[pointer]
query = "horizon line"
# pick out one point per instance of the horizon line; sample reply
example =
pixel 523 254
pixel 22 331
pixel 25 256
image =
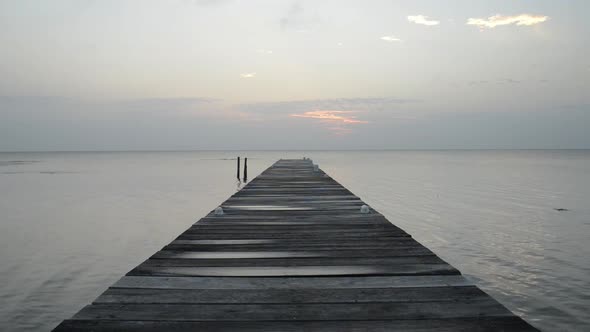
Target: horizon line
pixel 298 150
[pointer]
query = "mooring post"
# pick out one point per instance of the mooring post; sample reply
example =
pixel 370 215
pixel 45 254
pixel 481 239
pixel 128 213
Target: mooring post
pixel 245 169
pixel 238 172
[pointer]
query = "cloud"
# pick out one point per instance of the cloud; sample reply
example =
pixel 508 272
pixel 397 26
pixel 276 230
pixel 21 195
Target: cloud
pixel 263 51
pixel 390 39
pixel 247 75
pixel 497 20
pixel 424 20
pixel 337 122
pixel 375 104
pixel 61 123
pixel 497 81
pixel 332 116
pixel 166 103
pixel 341 111
pixel 298 19
pixel 340 130
pixel 293 16
pixel 509 81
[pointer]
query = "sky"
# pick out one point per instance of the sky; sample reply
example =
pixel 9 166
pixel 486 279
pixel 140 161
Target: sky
pixel 323 74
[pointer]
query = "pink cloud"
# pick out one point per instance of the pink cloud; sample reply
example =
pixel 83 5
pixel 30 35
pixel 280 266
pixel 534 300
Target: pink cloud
pixel 338 122
pixel 331 116
pixel 498 20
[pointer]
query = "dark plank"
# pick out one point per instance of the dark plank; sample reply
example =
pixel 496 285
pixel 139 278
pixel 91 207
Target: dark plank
pixel 478 307
pixel 280 271
pixel 290 282
pixel 386 249
pixel 292 262
pixel 332 295
pixel 291 227
pixel 300 235
pixel 506 324
pixel 188 251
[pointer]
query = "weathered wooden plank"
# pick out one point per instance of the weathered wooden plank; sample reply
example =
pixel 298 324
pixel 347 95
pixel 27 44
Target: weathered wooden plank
pixel 293 222
pixel 352 236
pixel 276 204
pixel 287 262
pixel 403 248
pixel 336 242
pixel 285 207
pixel 295 230
pixel 290 282
pixel 294 212
pixel 253 296
pixel 279 198
pixel 303 229
pixel 182 252
pixel 327 223
pixel 483 324
pixel 477 307
pixel 292 217
pixel 293 227
pixel 285 271
pixel 296 243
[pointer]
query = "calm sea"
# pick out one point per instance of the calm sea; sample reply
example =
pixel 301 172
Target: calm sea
pixel 71 224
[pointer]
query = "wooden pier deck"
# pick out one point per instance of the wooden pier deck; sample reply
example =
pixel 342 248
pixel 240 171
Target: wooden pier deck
pixel 293 252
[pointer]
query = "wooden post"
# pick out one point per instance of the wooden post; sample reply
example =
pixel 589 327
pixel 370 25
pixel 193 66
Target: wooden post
pixel 238 172
pixel 245 169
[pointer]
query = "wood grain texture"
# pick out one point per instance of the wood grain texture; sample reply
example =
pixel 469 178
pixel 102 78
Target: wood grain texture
pixel 483 324
pixel 293 252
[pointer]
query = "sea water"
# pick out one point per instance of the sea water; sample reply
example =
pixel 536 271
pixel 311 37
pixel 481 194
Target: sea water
pixel 71 224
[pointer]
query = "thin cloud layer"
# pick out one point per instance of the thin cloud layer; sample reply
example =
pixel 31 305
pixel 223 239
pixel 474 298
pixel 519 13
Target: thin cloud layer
pixel 390 39
pixel 247 75
pixel 340 104
pixel 497 20
pixel 424 20
pixel 337 122
pixel 331 116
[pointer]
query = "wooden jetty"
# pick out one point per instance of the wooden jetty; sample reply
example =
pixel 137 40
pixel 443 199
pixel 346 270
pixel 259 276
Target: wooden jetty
pixel 294 252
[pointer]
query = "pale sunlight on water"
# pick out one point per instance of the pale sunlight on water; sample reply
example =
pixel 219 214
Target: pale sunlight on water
pixel 73 223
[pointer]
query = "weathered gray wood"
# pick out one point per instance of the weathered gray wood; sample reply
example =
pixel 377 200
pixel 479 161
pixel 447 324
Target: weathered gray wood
pixel 482 324
pixel 294 252
pixel 290 227
pixel 286 262
pixel 188 241
pixel 183 252
pixel 221 296
pixel 291 282
pixel 401 248
pixel 485 306
pixel 367 234
pixel 292 217
pixel 302 223
pixel 298 270
pixel 298 243
pixel 295 232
